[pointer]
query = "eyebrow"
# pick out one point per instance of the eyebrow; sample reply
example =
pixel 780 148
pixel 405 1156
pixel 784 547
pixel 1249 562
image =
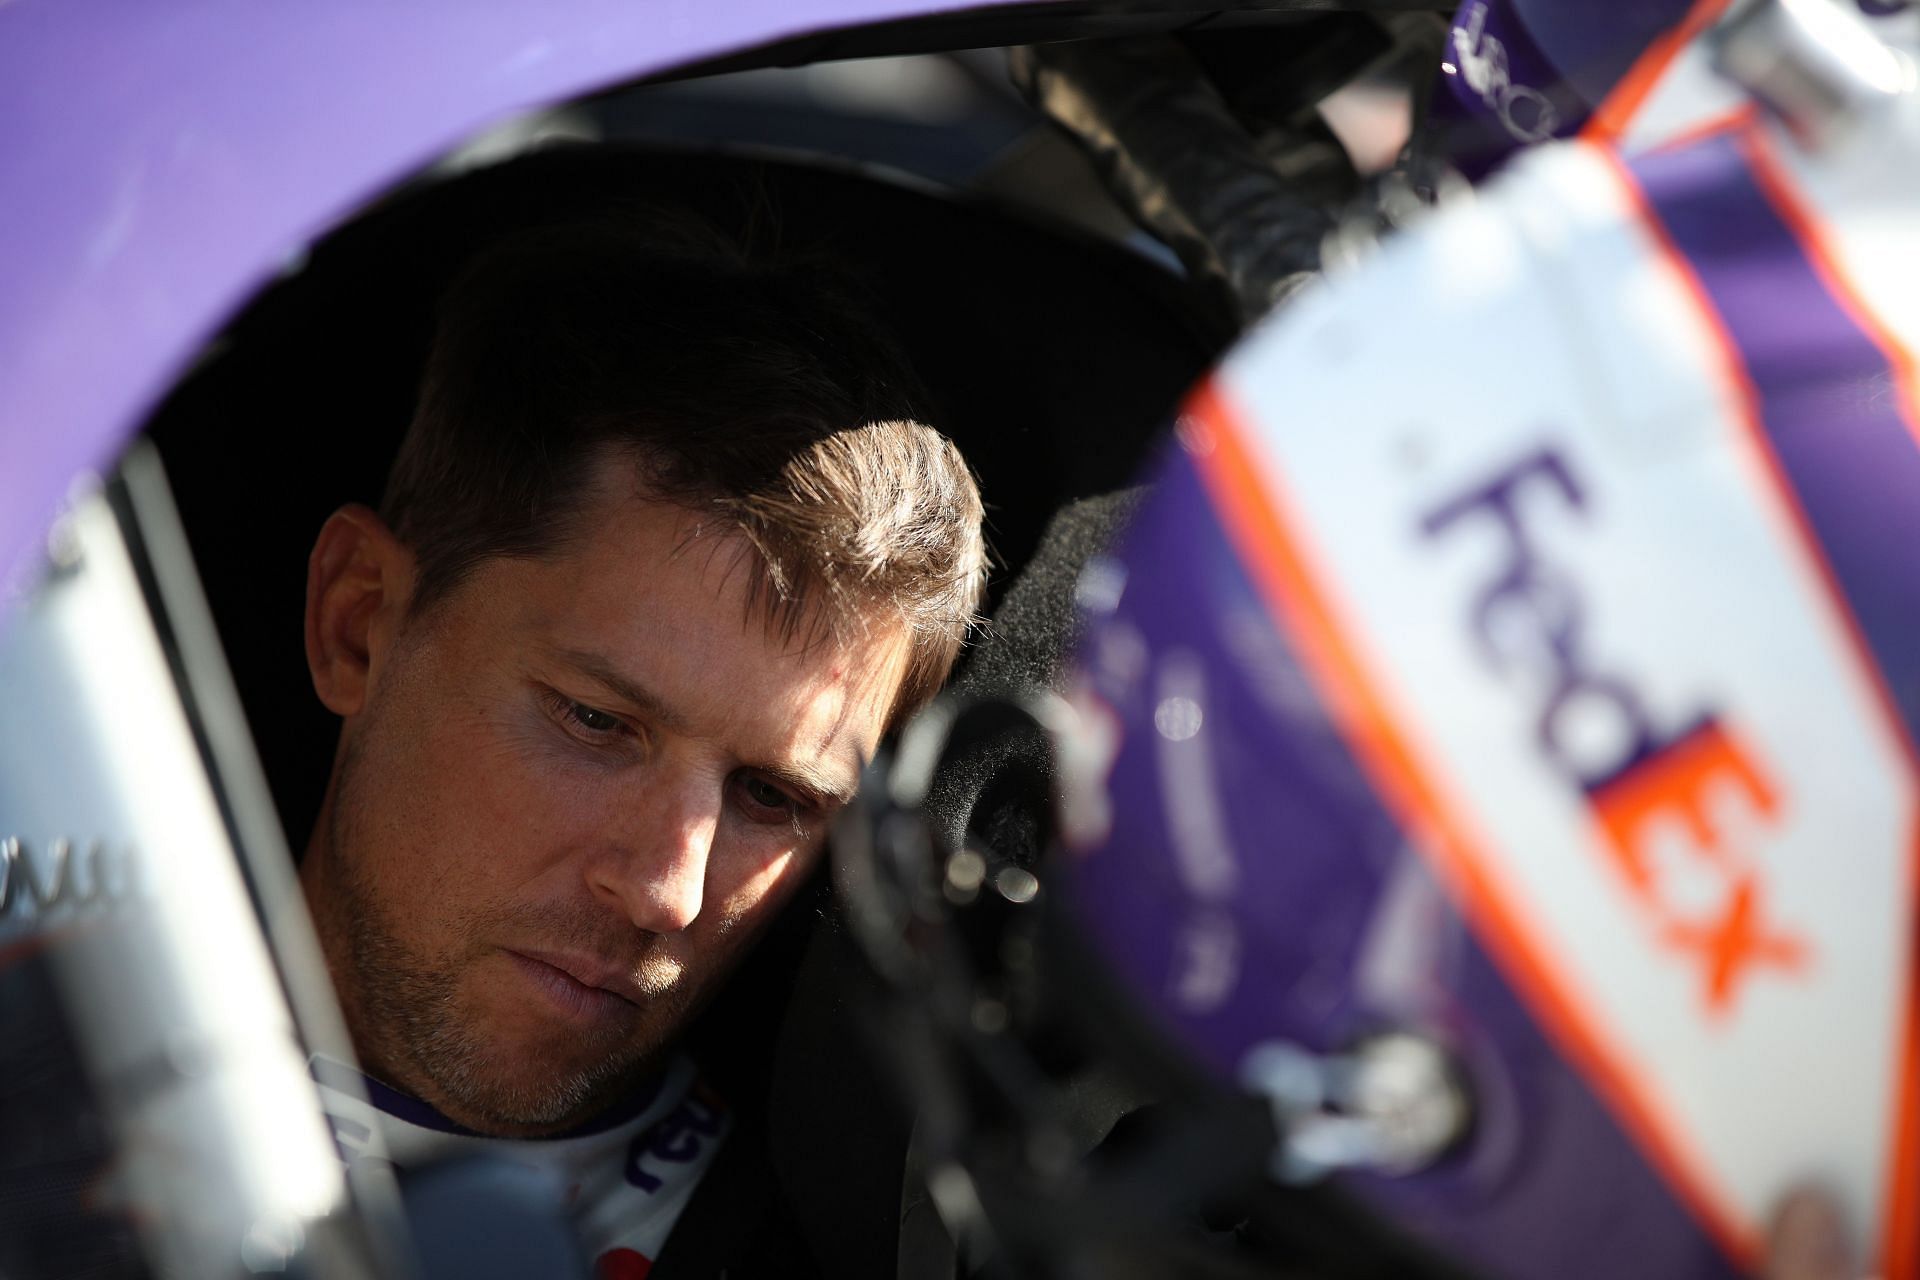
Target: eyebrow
pixel 821 785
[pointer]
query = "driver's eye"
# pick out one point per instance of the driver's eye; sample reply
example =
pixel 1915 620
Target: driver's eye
pixel 764 793
pixel 591 718
pixel 583 720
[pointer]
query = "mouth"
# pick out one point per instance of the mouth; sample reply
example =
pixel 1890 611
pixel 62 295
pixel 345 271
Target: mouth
pixel 578 986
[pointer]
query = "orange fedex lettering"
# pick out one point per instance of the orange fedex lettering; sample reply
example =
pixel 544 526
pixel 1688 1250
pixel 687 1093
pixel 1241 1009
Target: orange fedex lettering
pixel 1735 943
pixel 1672 783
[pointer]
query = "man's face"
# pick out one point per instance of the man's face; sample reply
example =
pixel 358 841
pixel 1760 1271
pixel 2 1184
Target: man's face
pixel 566 800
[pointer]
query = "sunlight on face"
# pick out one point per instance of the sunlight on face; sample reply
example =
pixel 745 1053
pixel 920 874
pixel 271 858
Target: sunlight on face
pixel 578 789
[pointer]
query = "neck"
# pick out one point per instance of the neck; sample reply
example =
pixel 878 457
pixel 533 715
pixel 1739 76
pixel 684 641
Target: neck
pixel 317 870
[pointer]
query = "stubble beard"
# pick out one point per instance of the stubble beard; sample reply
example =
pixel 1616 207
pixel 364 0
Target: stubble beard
pixel 406 1010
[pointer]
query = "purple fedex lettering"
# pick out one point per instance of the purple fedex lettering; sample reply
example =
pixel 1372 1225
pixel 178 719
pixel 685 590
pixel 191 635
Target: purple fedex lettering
pixel 1522 578
pixel 1647 782
pixel 677 1139
pixel 1550 602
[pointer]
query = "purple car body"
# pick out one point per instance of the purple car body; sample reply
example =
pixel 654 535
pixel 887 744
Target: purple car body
pixel 164 162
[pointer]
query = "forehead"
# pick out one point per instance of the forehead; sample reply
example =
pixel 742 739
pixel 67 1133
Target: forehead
pixel 676 600
pixel 627 540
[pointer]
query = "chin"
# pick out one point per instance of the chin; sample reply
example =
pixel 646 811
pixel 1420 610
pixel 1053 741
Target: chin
pixel 540 1091
pixel 519 1071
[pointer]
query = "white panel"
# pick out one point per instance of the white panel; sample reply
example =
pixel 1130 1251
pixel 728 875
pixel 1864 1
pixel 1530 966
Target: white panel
pixel 1483 338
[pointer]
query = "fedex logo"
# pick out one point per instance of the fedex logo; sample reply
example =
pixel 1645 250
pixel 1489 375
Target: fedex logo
pixel 678 1139
pixel 1640 770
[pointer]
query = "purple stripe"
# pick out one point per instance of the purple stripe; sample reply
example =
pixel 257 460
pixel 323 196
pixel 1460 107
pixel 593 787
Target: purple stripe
pixel 163 160
pixel 384 1097
pixel 1597 42
pixel 1549 1184
pixel 1829 401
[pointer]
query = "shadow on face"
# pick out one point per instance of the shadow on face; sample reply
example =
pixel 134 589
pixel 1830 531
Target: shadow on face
pixel 567 797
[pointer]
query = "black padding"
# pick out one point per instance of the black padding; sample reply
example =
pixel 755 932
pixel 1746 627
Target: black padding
pixel 1032 632
pixel 999 787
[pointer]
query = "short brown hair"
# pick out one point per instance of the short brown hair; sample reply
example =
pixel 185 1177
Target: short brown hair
pixel 762 392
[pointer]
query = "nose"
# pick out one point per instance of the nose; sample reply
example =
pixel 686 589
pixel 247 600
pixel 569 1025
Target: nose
pixel 654 868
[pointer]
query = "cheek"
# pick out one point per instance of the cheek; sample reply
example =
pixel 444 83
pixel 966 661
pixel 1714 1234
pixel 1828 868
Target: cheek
pixel 750 888
pixel 464 802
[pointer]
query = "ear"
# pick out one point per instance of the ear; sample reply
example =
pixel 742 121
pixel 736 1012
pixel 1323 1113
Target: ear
pixel 359 581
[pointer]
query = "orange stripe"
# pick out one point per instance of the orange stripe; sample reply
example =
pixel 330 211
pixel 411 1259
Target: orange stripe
pixel 1271 543
pixel 1901 1237
pixel 1901 1244
pixel 1623 102
pixel 1727 121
